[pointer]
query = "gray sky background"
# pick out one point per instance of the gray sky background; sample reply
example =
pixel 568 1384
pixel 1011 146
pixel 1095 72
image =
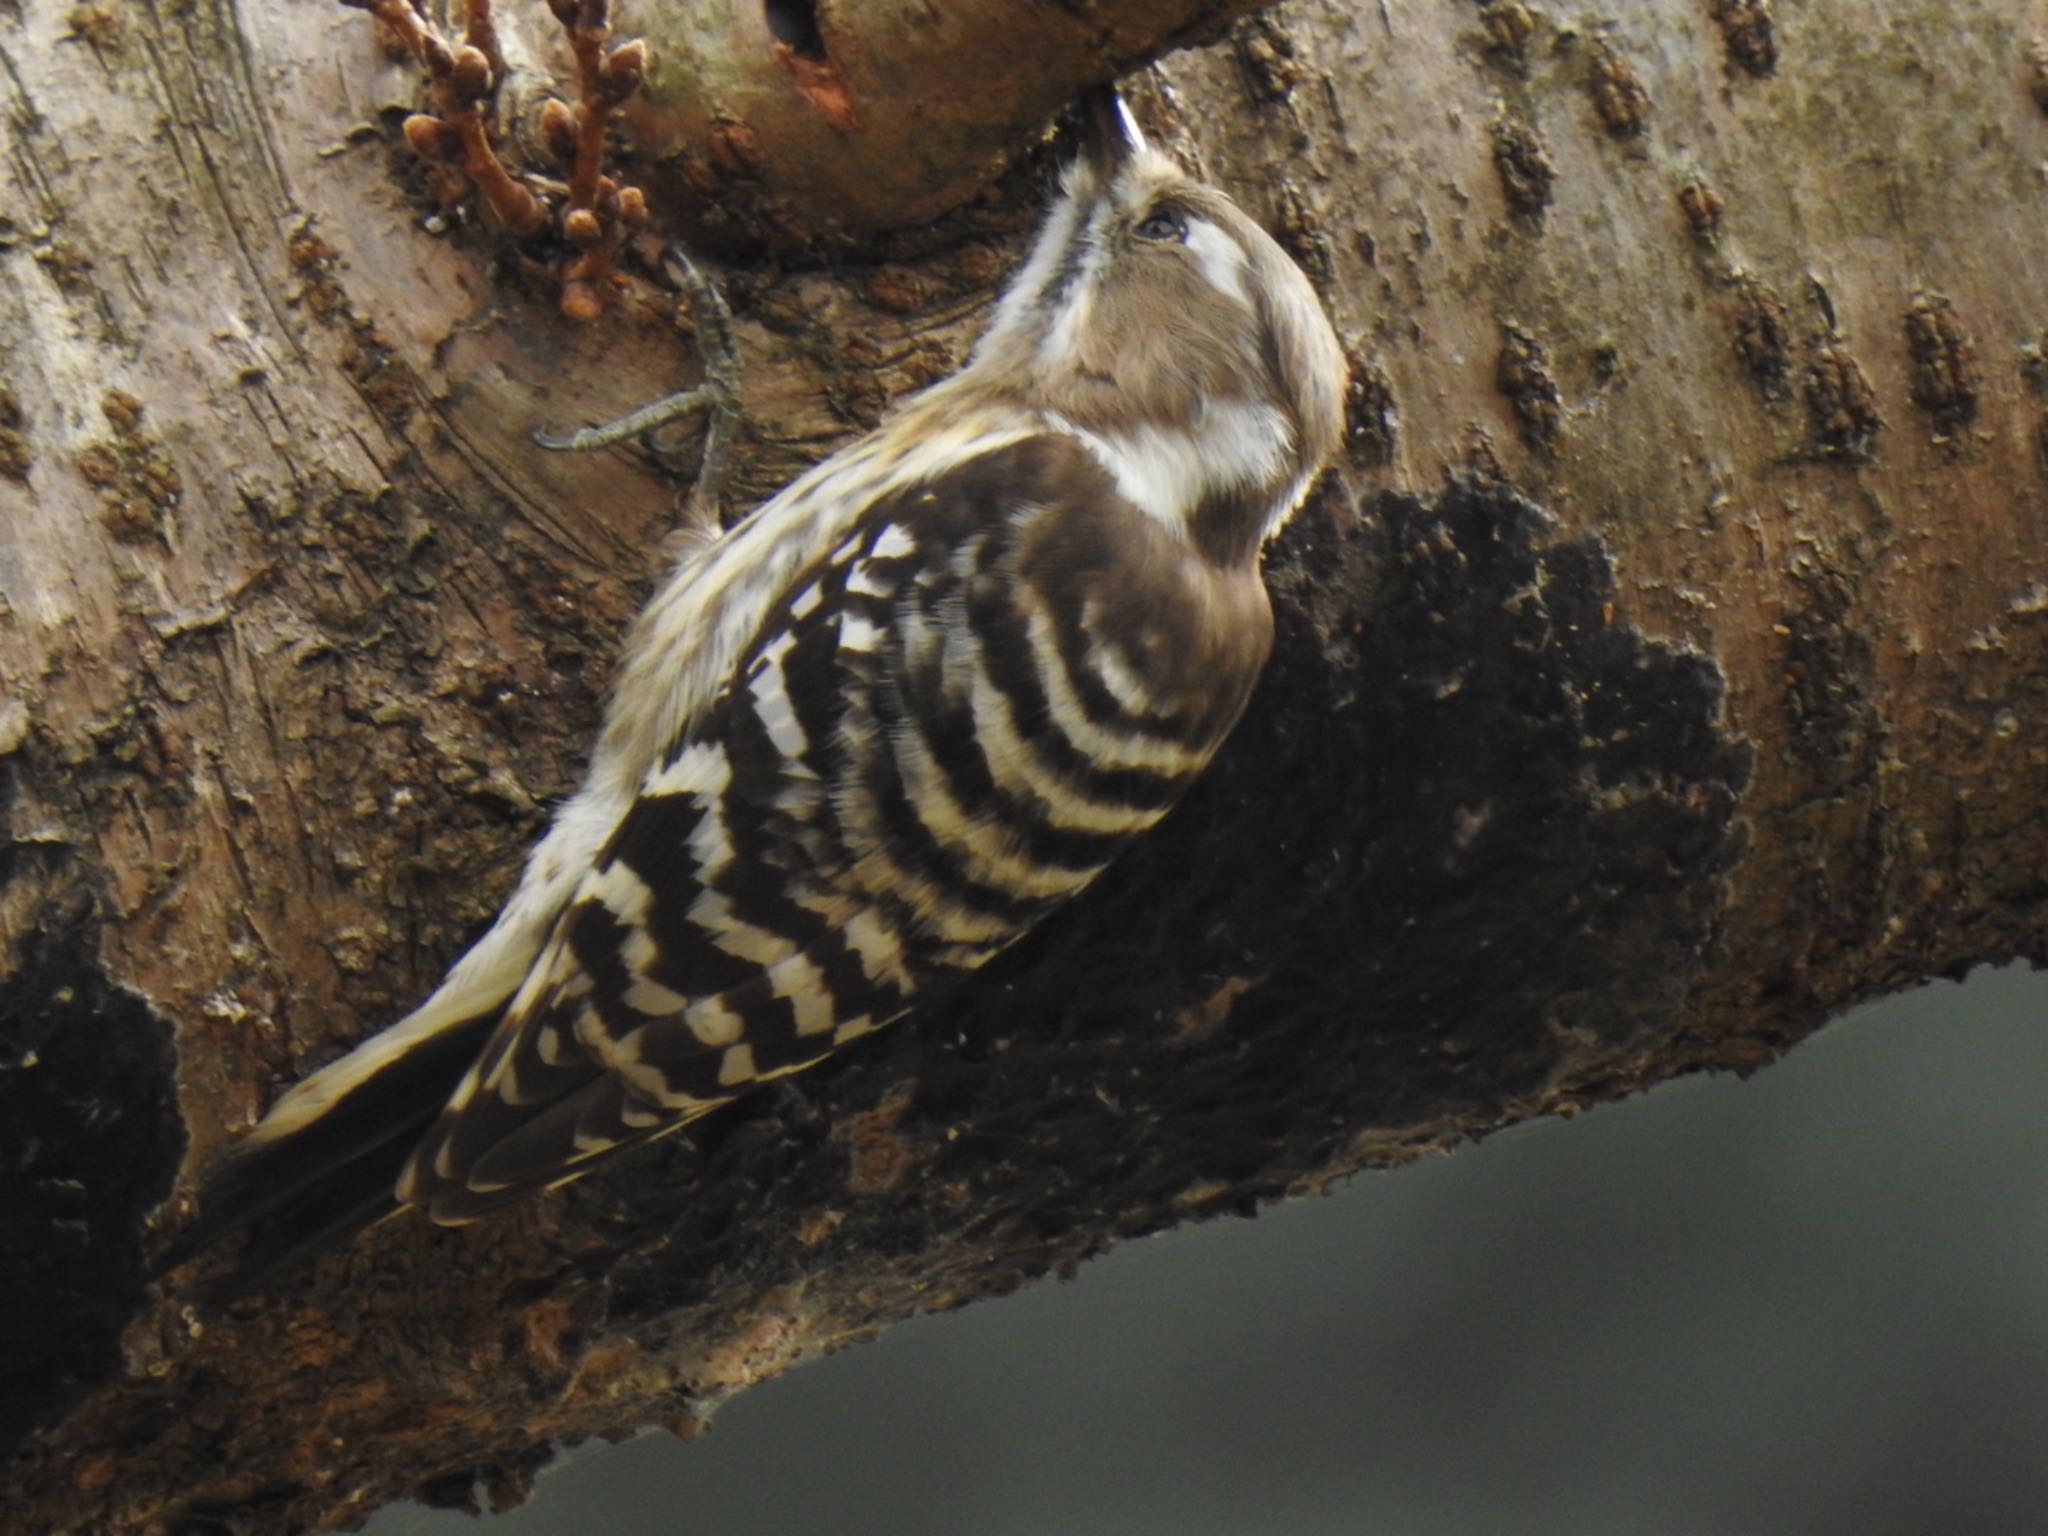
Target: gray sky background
pixel 1815 1303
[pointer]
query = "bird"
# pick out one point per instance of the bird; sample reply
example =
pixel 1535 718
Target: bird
pixel 864 740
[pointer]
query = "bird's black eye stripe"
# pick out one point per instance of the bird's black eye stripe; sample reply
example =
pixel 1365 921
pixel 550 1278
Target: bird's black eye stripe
pixel 1168 221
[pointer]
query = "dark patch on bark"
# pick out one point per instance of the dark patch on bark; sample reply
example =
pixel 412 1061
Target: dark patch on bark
pixel 794 24
pixel 1522 373
pixel 1841 867
pixel 1830 667
pixel 1748 35
pixel 1619 95
pixel 1763 339
pixel 90 1138
pixel 1526 170
pixel 17 455
pixel 1266 55
pixel 1300 232
pixel 1372 418
pixel 1841 403
pixel 1510 27
pixel 1946 379
pixel 1703 208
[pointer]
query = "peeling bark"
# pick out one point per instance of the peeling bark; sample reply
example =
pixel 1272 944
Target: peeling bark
pixel 1662 672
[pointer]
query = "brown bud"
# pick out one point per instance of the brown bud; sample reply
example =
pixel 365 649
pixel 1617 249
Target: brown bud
pixel 580 302
pixel 625 70
pixel 632 208
pixel 432 139
pixel 558 129
pixel 471 77
pixel 582 228
pixel 439 61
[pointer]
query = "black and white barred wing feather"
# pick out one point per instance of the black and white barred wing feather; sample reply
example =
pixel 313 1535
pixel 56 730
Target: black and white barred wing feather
pixel 945 727
pixel 711 942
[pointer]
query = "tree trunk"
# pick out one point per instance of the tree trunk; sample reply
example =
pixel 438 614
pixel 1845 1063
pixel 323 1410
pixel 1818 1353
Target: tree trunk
pixel 1663 671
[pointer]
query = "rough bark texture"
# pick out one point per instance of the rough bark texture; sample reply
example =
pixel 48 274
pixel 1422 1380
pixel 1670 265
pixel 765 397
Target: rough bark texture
pixel 1662 672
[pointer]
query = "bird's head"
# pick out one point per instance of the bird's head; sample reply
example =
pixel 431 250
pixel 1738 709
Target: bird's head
pixel 1159 321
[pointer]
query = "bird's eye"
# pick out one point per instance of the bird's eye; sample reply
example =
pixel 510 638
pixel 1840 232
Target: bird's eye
pixel 1166 222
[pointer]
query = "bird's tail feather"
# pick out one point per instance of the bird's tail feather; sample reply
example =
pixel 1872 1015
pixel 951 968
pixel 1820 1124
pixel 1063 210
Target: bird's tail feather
pixel 323 1175
pixel 325 1217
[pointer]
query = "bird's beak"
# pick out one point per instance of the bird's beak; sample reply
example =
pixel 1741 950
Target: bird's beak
pixel 1109 134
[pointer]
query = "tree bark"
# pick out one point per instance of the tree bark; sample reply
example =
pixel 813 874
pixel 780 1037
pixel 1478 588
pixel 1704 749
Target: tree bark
pixel 1662 671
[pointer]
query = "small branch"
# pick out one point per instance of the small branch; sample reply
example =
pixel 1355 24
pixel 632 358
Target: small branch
pixel 602 214
pixel 463 81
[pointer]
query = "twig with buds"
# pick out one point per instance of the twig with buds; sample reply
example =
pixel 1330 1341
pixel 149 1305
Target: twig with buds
pixel 601 214
pixel 457 138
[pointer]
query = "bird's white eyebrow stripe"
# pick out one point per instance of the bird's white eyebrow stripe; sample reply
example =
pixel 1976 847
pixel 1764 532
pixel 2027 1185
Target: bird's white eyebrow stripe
pixel 1222 259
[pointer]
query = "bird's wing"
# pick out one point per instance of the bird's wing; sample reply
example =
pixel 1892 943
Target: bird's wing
pixel 914 760
pixel 718 937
